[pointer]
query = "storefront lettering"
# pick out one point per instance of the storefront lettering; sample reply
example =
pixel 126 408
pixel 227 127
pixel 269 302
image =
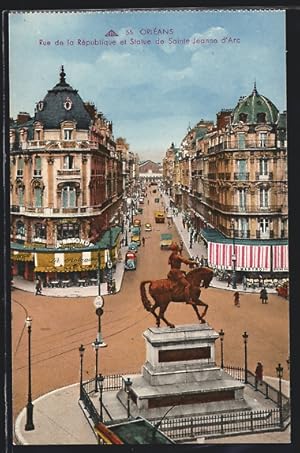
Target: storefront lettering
pixel 74 241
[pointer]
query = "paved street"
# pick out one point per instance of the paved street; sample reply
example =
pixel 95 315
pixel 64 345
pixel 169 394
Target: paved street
pixel 61 324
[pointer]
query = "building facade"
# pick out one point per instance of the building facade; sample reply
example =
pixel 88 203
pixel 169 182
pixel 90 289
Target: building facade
pixel 67 184
pixel 237 186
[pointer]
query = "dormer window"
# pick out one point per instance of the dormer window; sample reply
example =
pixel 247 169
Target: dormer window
pixel 67 134
pixel 261 117
pixel 68 104
pixel 40 106
pixel 243 117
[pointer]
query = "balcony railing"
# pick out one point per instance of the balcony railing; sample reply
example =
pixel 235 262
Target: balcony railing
pixel 261 177
pixel 68 172
pixel 241 176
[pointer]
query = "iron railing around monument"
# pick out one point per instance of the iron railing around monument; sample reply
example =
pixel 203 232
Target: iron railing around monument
pixel 266 389
pixel 186 428
pixel 214 425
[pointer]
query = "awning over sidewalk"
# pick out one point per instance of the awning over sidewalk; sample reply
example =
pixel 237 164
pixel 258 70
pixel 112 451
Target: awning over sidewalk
pixel 251 255
pixel 248 257
pixel 72 259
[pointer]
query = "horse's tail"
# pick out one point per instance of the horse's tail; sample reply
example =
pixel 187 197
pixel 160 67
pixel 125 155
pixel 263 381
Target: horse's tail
pixel 145 300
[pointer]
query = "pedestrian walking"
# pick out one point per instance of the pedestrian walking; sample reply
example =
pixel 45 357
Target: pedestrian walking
pixel 228 280
pixel 264 296
pixel 244 282
pixel 180 247
pixel 236 298
pixel 38 286
pixel 143 241
pixel 259 373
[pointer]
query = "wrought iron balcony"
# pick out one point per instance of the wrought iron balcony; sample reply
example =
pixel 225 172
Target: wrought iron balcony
pixel 241 176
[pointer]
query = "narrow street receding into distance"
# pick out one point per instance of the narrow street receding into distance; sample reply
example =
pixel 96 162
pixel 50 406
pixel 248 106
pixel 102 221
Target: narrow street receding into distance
pixel 60 325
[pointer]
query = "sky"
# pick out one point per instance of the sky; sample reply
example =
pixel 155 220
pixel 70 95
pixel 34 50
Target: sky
pixel 166 70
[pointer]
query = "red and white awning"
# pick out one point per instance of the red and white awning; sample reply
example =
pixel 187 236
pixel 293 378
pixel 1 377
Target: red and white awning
pixel 249 257
pixel 280 258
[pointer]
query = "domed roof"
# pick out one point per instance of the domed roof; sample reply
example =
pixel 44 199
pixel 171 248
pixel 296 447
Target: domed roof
pixel 62 103
pixel 255 109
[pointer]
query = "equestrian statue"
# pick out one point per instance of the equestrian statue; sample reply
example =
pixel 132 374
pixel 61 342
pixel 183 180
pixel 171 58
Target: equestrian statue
pixel 178 287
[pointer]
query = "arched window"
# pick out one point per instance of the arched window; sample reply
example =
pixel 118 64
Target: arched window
pixel 68 197
pixel 20 168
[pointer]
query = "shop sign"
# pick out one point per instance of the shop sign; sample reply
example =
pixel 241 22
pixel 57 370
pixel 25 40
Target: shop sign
pixel 77 242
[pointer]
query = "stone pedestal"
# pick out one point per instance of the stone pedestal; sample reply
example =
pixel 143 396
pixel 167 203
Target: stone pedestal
pixel 180 371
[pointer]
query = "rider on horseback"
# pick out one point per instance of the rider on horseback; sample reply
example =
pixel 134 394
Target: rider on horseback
pixel 176 274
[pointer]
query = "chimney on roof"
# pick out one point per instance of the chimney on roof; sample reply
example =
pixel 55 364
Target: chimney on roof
pixel 23 117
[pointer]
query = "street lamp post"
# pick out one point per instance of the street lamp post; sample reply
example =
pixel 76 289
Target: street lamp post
pixel 98 343
pixel 233 258
pixel 99 274
pixel 96 346
pixel 101 379
pixel 245 336
pixel 128 384
pixel 81 352
pixel 29 426
pixel 221 334
pixel 191 238
pixel 279 371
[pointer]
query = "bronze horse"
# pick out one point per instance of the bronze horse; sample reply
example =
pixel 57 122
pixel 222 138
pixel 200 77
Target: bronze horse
pixel 165 291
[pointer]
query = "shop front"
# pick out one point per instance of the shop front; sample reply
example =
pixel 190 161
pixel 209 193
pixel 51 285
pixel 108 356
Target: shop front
pixel 69 264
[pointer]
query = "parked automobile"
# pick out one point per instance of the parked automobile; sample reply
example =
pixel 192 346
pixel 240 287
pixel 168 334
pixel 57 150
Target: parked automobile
pixel 130 261
pixel 141 200
pixel 148 227
pixel 137 222
pixel 165 241
pixel 133 247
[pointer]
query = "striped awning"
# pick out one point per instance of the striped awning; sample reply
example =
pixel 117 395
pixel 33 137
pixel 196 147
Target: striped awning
pixel 280 258
pixel 248 257
pixel 263 258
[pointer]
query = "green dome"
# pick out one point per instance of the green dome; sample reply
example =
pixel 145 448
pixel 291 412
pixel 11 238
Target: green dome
pixel 255 109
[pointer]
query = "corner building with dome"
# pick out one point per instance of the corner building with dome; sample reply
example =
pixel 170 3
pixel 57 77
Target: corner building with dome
pixel 67 183
pixel 233 187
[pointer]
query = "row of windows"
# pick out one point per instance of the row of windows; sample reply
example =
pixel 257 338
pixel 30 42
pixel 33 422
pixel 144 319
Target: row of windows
pixel 63 231
pixel 67 134
pixel 68 163
pixel 68 197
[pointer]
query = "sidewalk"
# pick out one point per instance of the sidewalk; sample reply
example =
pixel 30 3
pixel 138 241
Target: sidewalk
pixel 58 419
pixel 199 249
